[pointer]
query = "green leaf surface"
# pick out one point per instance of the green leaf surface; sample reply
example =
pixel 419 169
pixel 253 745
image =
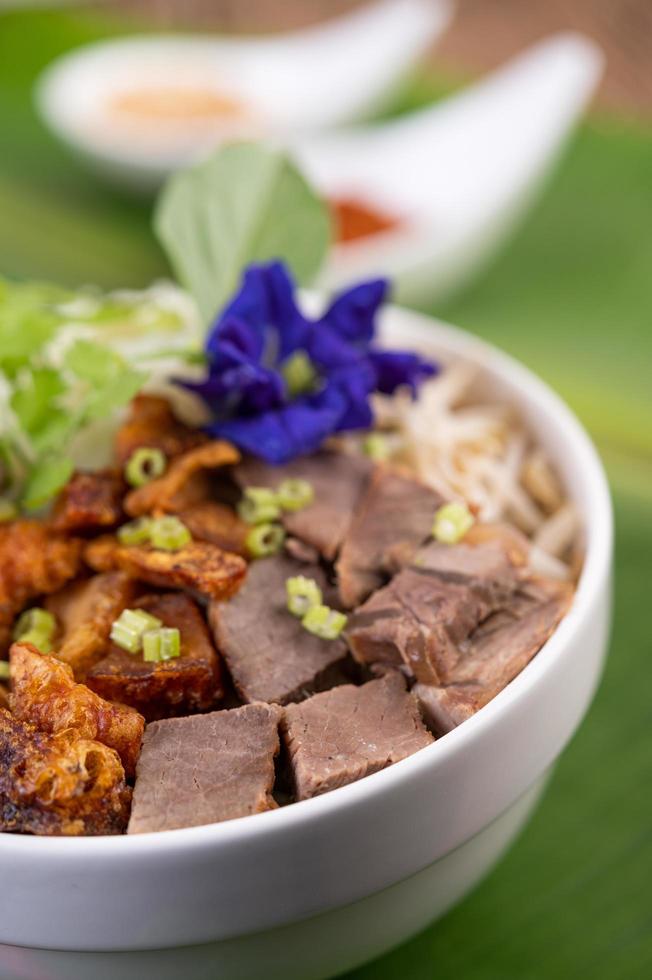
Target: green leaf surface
pixel 45 480
pixel 244 204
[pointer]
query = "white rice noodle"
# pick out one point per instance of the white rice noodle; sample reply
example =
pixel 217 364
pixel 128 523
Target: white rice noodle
pixel 479 453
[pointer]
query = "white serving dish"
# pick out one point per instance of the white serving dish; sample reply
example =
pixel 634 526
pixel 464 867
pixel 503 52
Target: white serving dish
pixel 326 75
pixel 458 175
pixel 315 888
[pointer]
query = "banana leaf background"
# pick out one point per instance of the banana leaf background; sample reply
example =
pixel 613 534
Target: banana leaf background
pixel 572 297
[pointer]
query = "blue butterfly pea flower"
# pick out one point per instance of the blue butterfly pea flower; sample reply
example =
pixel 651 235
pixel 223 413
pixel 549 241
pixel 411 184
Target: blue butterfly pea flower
pixel 262 332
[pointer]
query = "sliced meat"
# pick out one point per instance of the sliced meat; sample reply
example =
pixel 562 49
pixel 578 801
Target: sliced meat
pixel 89 502
pixel 218 524
pixel 198 566
pixel 59 784
pixel 185 481
pixel 444 708
pixel 393 518
pixel 486 568
pixel 84 612
pixel 269 654
pixel 420 619
pixel 152 423
pixel 206 769
pixel 495 654
pixel 44 693
pixel 338 481
pixel 33 561
pixel 341 735
pixel 188 683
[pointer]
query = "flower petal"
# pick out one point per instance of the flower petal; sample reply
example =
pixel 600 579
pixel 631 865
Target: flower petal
pixel 352 314
pixel 395 368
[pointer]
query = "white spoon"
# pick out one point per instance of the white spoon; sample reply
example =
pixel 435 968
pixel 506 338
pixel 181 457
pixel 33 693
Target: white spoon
pixel 271 87
pixel 458 174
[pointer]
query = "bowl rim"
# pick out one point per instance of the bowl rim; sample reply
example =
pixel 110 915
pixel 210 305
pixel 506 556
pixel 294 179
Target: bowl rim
pixel 598 529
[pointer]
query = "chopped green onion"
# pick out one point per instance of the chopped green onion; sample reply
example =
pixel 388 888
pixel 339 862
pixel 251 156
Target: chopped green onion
pixel 128 629
pixel 452 521
pixel 145 464
pixel 294 494
pixel 324 622
pixel 302 593
pixel 265 539
pixel 169 534
pixel 8 511
pixel 259 505
pixel 161 644
pixel 375 446
pixel 5 670
pixel 298 373
pixel 136 532
pixel 36 626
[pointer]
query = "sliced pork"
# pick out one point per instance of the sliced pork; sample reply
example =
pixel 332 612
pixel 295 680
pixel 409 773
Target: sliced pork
pixel 393 518
pixel 186 684
pixel 339 736
pixel 495 654
pixel 205 769
pixel 338 481
pixel 269 654
pixel 420 619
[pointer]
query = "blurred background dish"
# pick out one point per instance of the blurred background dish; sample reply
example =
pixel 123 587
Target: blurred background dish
pixel 138 108
pixel 428 197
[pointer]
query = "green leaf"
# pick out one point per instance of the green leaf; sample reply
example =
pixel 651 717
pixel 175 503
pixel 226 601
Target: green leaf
pixel 33 401
pixel 45 479
pixel 246 203
pixel 93 362
pixel 28 320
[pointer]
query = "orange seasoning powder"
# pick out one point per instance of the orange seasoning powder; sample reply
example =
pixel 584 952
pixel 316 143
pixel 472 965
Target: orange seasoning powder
pixel 355 219
pixel 172 104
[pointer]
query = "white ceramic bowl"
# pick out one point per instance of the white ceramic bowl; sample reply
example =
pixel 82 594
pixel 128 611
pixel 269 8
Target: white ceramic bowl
pixel 312 889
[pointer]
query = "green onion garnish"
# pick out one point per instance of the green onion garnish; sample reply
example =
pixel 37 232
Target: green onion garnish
pixel 294 494
pixel 265 539
pixel 324 622
pixel 298 373
pixel 258 505
pixel 145 464
pixel 302 593
pixel 128 629
pixel 161 644
pixel 8 511
pixel 375 446
pixel 36 626
pixel 5 670
pixel 452 521
pixel 136 532
pixel 169 534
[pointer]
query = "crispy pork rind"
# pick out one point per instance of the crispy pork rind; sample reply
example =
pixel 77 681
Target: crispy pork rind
pixel 198 566
pixel 184 483
pixel 33 561
pixel 152 423
pixel 84 611
pixel 89 502
pixel 186 684
pixel 44 693
pixel 59 784
pixel 217 523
